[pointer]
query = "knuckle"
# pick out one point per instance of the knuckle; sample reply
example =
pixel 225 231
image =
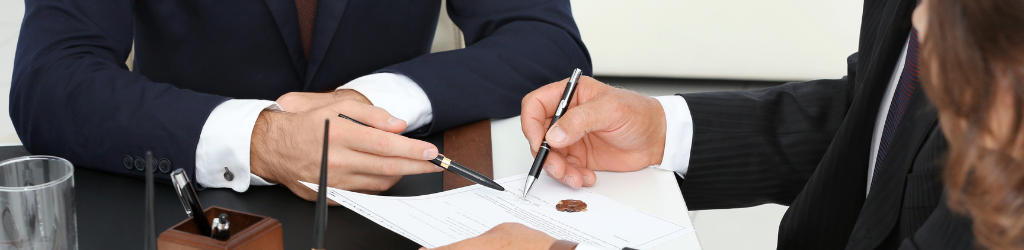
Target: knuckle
pixel 382 143
pixel 528 100
pixel 579 120
pixel 388 168
pixel 288 98
pixel 288 95
pixel 374 110
pixel 346 103
pixel 508 226
pixel 614 106
pixel 619 111
pixel 332 164
pixel 335 133
pixel 382 185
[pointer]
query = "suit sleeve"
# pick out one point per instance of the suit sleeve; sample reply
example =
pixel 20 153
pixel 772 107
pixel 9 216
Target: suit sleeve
pixel 761 146
pixel 944 229
pixel 72 95
pixel 513 47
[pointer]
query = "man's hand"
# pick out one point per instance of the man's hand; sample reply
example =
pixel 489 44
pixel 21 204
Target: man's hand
pixel 605 128
pixel 505 236
pixel 303 101
pixel 286 148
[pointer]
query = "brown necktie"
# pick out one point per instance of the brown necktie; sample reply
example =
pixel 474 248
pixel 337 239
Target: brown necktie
pixel 307 16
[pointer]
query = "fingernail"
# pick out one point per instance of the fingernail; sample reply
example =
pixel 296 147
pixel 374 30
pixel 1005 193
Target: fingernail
pixel 568 180
pixel 556 134
pixel 395 122
pixel 438 169
pixel 429 154
pixel 548 166
pixel 588 180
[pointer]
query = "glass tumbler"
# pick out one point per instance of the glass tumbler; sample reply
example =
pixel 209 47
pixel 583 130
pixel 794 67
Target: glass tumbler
pixel 37 203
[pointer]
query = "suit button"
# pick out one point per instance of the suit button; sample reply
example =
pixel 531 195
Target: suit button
pixel 128 162
pixel 228 175
pixel 140 164
pixel 164 165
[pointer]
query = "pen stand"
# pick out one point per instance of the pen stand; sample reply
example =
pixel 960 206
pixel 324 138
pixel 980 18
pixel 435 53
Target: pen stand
pixel 248 231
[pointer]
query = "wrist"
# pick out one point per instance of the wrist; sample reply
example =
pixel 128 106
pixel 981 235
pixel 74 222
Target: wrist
pixel 259 149
pixel 659 134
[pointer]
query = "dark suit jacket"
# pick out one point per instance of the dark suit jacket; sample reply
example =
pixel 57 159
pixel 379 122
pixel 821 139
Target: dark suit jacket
pixel 72 95
pixel 807 145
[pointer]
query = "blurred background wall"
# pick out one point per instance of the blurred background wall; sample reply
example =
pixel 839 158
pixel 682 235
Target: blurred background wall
pixel 720 39
pixel 662 47
pixel 11 12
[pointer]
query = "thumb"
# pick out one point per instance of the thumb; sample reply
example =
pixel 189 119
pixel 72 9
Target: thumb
pixel 580 121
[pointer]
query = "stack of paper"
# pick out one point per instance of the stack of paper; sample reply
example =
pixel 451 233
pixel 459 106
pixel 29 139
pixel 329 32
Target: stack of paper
pixel 447 217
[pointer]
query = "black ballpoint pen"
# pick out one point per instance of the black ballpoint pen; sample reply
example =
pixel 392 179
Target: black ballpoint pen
pixel 320 221
pixel 542 153
pixel 447 163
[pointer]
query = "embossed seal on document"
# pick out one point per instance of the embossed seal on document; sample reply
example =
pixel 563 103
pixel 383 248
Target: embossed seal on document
pixel 571 206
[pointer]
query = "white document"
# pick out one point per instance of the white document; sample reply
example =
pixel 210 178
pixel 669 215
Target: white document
pixel 447 217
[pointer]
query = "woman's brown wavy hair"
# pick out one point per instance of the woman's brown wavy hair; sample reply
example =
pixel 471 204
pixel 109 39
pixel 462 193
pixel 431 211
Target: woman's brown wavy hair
pixel 974 74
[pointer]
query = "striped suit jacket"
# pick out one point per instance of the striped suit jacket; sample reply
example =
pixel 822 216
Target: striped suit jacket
pixel 807 145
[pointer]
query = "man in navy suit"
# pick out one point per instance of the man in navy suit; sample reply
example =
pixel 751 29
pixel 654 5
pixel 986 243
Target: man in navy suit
pixel 206 73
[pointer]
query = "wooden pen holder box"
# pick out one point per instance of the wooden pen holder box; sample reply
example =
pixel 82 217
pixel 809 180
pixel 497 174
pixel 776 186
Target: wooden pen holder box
pixel 248 231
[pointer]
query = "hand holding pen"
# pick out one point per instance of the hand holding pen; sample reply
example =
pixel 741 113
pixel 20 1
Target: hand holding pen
pixel 368 159
pixel 603 129
pixel 542 152
pixel 450 165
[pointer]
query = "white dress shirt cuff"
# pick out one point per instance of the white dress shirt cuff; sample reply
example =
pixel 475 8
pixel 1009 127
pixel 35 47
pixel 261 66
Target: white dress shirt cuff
pixel 397 94
pixel 224 145
pixel 678 134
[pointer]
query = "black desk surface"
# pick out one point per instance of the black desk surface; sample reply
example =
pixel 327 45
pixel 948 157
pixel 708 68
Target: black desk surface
pixel 110 210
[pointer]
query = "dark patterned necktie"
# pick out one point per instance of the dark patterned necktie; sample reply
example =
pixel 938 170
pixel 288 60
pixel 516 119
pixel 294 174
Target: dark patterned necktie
pixel 307 16
pixel 900 100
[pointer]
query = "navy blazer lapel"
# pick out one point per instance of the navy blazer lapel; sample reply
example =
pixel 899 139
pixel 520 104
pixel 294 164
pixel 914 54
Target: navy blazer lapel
pixel 328 15
pixel 882 207
pixel 287 18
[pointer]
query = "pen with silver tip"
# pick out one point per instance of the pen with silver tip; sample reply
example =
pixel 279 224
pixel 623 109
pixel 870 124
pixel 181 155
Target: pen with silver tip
pixel 542 153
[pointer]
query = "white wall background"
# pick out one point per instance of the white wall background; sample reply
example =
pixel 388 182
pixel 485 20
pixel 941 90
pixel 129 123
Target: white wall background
pixel 724 39
pixel 11 12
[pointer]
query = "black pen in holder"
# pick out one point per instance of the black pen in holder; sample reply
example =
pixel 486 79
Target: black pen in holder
pixel 190 200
